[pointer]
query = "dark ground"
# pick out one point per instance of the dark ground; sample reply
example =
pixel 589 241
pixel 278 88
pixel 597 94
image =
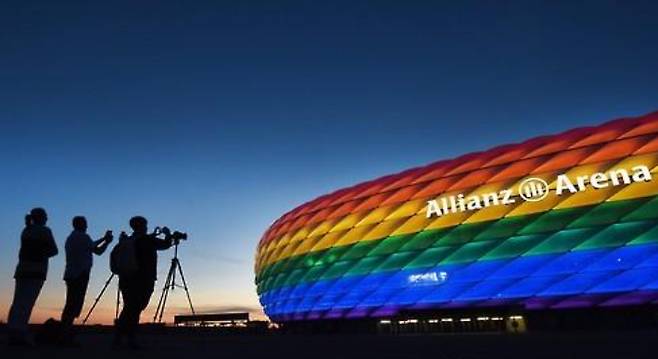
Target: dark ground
pixel 565 345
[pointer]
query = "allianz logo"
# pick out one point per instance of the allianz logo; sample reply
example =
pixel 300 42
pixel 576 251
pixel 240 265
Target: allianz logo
pixel 535 189
pixel 428 277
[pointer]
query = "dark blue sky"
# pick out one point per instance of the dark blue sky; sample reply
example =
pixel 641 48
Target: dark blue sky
pixel 217 117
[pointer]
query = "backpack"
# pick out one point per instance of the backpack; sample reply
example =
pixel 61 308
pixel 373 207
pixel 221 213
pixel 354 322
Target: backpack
pixel 123 260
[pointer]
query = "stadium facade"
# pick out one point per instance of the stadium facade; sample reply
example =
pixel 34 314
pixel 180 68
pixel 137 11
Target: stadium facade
pixel 562 226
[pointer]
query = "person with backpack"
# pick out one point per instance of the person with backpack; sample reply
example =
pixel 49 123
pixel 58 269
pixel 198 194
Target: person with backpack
pixel 37 246
pixel 135 260
pixel 80 249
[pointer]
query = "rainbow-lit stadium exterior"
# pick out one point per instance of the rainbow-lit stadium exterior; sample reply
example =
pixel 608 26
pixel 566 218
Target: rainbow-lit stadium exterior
pixel 373 251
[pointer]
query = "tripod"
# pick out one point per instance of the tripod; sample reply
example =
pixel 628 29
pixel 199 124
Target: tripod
pixel 170 284
pixel 100 295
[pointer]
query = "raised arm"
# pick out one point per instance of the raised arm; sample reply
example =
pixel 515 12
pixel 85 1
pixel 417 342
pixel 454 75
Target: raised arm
pixel 100 245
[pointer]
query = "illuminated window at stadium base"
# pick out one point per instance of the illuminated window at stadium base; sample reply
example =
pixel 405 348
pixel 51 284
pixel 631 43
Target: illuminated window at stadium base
pixel 562 221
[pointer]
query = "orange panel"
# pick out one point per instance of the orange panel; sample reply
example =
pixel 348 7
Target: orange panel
pixel 402 195
pixel 651 146
pixel 616 149
pixel 566 159
pixel 371 202
pixel 436 187
pixel 518 169
pixel 475 178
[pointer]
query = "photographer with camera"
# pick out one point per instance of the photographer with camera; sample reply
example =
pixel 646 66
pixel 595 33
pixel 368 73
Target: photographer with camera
pixel 137 283
pixel 80 249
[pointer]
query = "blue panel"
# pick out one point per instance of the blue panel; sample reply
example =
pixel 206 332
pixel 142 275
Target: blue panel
pixel 623 258
pixel 578 283
pixel 571 262
pixel 320 287
pixel 489 289
pixel 378 297
pixel 343 285
pixel 522 266
pixel 326 302
pixel 649 262
pixel 361 289
pixel 300 290
pixel 530 286
pixel 445 293
pixel 410 295
pixel 626 281
pixel 307 303
pixel 475 271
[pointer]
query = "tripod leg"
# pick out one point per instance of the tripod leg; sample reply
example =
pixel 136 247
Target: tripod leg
pixel 116 309
pixel 163 296
pixel 107 283
pixel 187 291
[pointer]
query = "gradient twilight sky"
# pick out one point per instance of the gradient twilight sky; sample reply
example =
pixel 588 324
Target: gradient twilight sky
pixel 216 117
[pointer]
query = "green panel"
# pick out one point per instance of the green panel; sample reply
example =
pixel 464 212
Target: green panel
pixel 505 227
pixel 470 252
pixel 396 261
pixel 312 274
pixel 649 210
pixel 650 236
pixel 359 250
pixel 606 213
pixel 514 247
pixel 563 241
pixel 389 245
pixel 294 277
pixel 430 257
pixel 615 235
pixel 554 220
pixel 423 239
pixel 309 259
pixel 366 265
pixel 337 269
pixel 462 234
pixel 333 255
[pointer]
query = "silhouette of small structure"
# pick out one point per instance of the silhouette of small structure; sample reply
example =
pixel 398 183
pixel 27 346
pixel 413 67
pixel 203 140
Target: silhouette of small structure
pixel 213 320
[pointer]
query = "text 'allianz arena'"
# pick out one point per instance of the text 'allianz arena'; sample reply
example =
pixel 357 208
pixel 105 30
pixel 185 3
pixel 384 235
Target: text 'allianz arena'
pixel 555 222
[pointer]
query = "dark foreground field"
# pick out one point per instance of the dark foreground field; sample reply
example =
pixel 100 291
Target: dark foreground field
pixel 536 345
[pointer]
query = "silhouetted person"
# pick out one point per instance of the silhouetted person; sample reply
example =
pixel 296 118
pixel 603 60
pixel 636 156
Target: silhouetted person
pixel 137 288
pixel 37 246
pixel 79 259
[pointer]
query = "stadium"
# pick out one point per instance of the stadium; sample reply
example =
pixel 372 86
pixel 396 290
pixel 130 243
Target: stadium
pixel 575 243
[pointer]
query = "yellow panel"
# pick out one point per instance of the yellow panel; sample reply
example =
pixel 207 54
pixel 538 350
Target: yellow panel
pixel 490 213
pixel 306 245
pixel 282 241
pixel 383 229
pixel 354 235
pixel 448 220
pixel 489 188
pixel 328 240
pixel 323 227
pixel 408 209
pixel 589 196
pixel 301 234
pixel 414 224
pixel 527 207
pixel 637 190
pixel 650 160
pixel 349 221
pixel 377 215
pixel 288 251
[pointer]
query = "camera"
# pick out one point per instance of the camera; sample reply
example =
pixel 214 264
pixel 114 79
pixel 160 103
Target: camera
pixel 176 236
